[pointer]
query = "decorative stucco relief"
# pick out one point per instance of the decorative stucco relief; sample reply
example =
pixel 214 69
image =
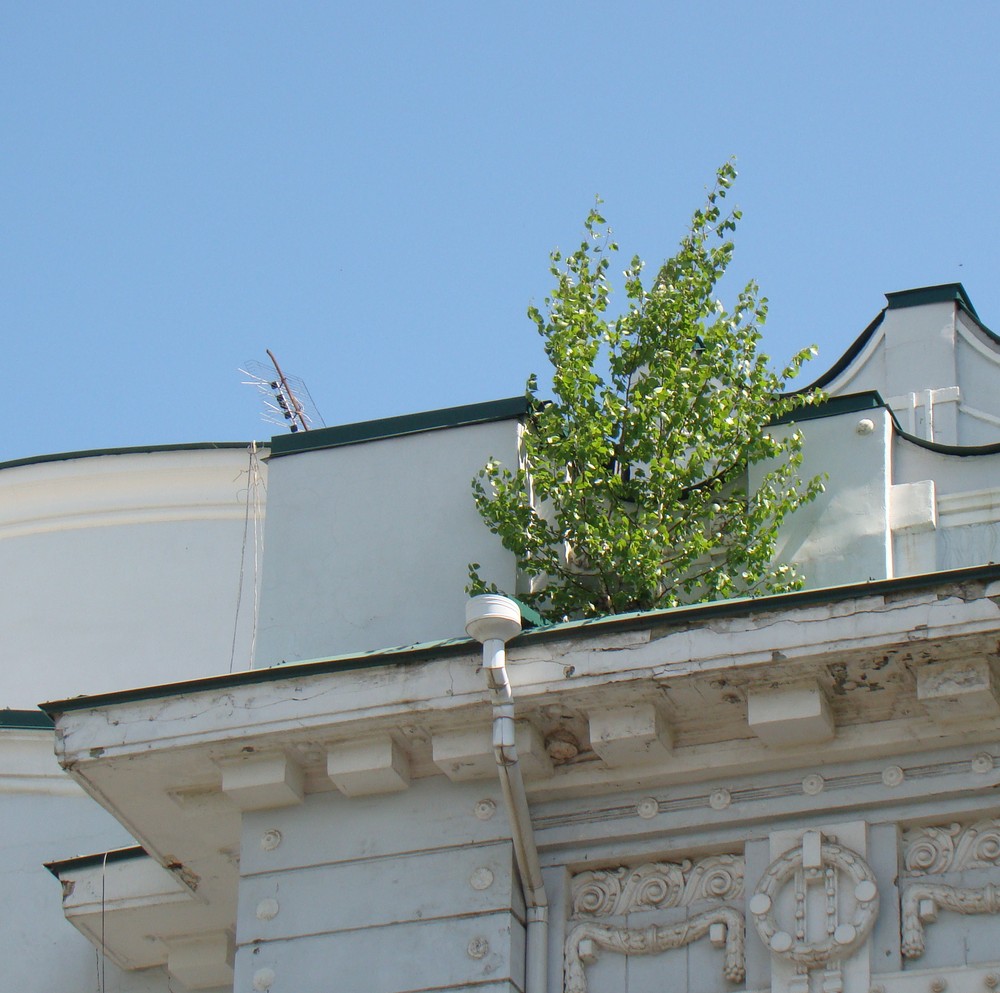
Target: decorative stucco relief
pixel 922 901
pixel 820 863
pixel 951 847
pixel 656 886
pixel 723 925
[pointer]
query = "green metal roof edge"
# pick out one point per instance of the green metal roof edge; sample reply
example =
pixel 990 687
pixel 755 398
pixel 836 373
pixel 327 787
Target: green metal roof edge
pixel 135 450
pixel 394 427
pixel 919 296
pixel 100 858
pixel 853 350
pixel 462 646
pixel 33 720
pixel 848 403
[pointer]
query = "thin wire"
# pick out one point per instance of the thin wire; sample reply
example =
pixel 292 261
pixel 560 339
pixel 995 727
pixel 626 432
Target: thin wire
pixel 239 585
pixel 253 507
pixel 102 966
pixel 257 484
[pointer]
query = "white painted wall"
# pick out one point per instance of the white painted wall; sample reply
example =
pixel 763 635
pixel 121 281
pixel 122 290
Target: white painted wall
pixel 843 535
pixel 978 370
pixel 410 891
pixel 368 545
pixel 45 816
pixel 122 570
pixel 964 528
pixel 937 369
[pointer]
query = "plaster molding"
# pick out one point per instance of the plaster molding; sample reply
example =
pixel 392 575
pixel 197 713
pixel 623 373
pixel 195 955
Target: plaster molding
pixel 983 978
pixel 723 925
pixel 202 961
pixel 973 340
pixel 153 514
pixel 970 507
pixel 656 886
pixel 117 490
pixel 28 765
pixel 922 901
pixel 858 363
pixel 790 714
pixel 919 398
pixel 926 774
pixel 959 690
pixel 913 507
pixel 980 415
pixel 821 861
pixel 951 847
pixel 339 704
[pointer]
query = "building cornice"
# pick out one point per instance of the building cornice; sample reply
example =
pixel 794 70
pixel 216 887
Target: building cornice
pixel 455 647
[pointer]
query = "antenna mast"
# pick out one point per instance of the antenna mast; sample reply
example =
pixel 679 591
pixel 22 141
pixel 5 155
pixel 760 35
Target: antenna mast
pixel 286 399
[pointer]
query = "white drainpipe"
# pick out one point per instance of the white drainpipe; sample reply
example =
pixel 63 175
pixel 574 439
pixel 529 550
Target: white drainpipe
pixel 494 620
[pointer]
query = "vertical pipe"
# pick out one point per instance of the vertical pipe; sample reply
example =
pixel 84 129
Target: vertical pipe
pixel 515 797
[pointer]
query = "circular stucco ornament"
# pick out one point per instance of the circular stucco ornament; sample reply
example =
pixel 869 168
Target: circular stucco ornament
pixel 893 775
pixel 781 942
pixel 485 809
pixel 481 878
pixel 865 426
pixel 270 840
pixel 263 979
pixel 848 929
pixel 267 909
pixel 813 784
pixel 982 763
pixel 647 807
pixel 719 799
pixel 478 948
pixel 865 891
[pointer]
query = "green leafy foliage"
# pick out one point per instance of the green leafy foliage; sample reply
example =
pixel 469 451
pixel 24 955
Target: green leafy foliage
pixel 633 489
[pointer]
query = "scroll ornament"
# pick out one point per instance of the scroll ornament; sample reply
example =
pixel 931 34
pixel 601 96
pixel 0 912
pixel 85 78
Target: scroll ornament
pixel 656 886
pixel 951 847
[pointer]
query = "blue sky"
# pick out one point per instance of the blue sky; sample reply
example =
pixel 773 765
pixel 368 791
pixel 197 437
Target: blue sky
pixel 372 190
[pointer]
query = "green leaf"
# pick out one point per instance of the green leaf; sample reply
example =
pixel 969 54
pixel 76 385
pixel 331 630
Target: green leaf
pixel 631 493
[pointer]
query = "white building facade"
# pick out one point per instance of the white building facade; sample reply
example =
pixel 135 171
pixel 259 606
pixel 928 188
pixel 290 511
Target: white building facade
pixel 790 793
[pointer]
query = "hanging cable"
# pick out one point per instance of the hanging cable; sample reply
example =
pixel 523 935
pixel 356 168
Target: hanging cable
pixel 253 510
pixel 102 966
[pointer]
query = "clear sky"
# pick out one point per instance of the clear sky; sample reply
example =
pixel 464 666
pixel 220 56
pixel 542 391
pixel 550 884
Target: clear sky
pixel 372 189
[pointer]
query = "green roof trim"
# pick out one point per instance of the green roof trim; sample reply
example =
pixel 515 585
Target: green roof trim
pixel 917 297
pixel 195 446
pixel 99 859
pixel 854 349
pixel 413 654
pixel 849 403
pixel 922 295
pixel 395 427
pixel 33 720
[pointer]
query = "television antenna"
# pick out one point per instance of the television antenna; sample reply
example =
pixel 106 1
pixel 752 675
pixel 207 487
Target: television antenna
pixel 287 401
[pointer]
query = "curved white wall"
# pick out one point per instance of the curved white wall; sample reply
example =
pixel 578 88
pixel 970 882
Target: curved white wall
pixel 123 570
